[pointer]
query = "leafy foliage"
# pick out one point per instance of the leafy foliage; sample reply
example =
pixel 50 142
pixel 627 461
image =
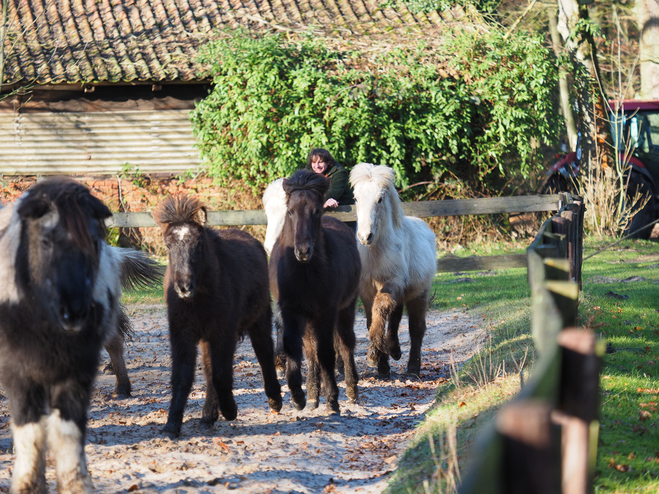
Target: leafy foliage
pixel 460 110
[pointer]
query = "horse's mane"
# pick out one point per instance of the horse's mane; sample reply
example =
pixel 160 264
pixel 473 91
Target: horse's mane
pixel 303 180
pixel 75 205
pixel 179 208
pixel 384 178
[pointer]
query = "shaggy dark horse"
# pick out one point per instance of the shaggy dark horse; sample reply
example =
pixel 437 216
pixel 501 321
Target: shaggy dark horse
pixel 59 304
pixel 314 277
pixel 216 288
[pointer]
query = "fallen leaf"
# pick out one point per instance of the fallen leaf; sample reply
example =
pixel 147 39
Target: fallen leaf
pixel 133 488
pixel 462 404
pixel 644 415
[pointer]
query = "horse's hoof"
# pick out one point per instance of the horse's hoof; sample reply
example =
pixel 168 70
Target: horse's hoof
pixel 352 394
pixel 372 363
pixel 299 400
pixel 107 369
pixel 229 412
pixel 208 419
pixel 206 423
pixel 395 352
pixel 171 431
pixel 281 373
pixel 414 372
pixel 333 408
pixel 121 394
pixel 275 404
pixel 313 404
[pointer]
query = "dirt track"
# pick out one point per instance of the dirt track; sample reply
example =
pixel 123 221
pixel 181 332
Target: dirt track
pixel 259 452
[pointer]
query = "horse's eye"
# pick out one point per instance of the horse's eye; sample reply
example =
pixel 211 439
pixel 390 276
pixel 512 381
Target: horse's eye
pixel 380 200
pixel 46 243
pixel 290 213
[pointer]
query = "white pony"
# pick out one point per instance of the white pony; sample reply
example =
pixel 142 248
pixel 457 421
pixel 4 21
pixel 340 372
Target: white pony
pixel 274 203
pixel 398 265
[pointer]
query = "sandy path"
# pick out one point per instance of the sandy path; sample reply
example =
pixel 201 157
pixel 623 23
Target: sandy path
pixel 259 452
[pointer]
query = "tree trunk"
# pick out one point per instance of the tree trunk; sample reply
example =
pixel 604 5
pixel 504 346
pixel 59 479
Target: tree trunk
pixel 570 125
pixel 596 142
pixel 647 15
pixel 3 34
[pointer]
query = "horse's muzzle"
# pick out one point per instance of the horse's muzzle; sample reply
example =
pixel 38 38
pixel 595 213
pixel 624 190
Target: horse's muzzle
pixel 183 291
pixel 365 239
pixel 303 255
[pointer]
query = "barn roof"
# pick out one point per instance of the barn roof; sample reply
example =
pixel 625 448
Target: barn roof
pixel 129 41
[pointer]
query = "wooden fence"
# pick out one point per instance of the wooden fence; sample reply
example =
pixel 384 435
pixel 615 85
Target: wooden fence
pixel 545 440
pixel 421 209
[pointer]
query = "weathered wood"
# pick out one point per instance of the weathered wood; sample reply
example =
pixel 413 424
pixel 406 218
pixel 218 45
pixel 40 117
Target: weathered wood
pixel 579 406
pixel 488 205
pixel 580 374
pixel 485 467
pixel 421 209
pixel 531 452
pixel 481 263
pixel 565 295
pixel 574 453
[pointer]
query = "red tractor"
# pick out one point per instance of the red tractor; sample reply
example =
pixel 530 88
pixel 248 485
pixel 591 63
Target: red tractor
pixel 635 132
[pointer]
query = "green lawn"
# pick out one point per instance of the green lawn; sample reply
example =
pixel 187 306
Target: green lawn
pixel 621 308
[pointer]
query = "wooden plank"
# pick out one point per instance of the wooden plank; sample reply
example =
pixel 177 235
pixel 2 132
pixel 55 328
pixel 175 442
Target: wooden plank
pixel 421 209
pixel 215 218
pixel 489 205
pixel 483 263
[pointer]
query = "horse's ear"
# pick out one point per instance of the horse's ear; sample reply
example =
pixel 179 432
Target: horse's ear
pixel 287 186
pixel 200 216
pixel 33 208
pixel 97 208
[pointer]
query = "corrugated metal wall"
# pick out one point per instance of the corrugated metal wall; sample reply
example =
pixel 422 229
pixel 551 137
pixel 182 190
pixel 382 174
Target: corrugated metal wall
pixel 96 143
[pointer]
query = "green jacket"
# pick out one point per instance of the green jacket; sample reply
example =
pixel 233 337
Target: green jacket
pixel 339 186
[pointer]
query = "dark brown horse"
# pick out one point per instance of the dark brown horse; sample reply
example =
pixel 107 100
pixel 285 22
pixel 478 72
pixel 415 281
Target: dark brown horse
pixel 314 277
pixel 216 289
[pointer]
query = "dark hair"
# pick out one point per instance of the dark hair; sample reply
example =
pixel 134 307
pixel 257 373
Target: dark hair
pixel 322 154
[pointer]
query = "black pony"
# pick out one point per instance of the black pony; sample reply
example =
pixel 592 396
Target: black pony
pixel 314 277
pixel 59 304
pixel 216 288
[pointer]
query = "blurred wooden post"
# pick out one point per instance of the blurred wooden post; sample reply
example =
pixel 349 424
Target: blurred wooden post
pixel 578 407
pixel 531 448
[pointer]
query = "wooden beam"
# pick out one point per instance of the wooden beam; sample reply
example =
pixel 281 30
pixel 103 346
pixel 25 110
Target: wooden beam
pixel 455 264
pixel 421 209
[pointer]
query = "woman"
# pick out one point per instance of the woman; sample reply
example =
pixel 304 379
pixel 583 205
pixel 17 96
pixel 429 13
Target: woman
pixel 339 193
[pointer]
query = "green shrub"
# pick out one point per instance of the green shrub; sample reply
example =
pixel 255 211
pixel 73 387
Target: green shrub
pixel 462 108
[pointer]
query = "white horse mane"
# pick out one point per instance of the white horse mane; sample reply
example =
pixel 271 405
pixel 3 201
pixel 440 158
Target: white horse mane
pixel 383 178
pixel 274 203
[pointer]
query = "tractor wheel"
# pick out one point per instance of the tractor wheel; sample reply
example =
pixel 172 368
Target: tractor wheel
pixel 647 214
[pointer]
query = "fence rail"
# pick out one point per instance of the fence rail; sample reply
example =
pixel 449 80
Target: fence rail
pixel 545 440
pixel 420 209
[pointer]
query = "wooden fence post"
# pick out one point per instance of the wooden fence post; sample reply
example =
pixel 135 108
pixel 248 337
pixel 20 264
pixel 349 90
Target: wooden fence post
pixel 578 407
pixel 531 455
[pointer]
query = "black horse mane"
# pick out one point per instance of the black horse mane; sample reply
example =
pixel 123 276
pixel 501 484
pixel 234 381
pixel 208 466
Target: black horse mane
pixel 76 206
pixel 306 180
pixel 180 208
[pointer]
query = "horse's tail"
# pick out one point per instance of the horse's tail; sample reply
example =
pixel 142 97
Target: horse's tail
pixel 138 270
pixel 124 326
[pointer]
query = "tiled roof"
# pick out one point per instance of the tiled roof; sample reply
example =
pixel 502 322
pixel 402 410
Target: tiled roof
pixel 96 41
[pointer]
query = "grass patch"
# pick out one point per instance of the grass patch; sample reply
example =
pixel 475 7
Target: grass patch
pixel 621 308
pixel 149 296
